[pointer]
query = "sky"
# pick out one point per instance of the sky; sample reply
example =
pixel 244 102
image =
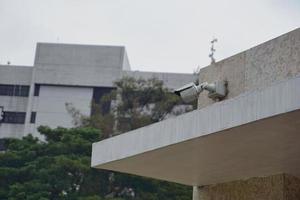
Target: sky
pixel 159 35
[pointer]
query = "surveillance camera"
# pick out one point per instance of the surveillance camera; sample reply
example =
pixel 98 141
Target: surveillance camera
pixel 190 92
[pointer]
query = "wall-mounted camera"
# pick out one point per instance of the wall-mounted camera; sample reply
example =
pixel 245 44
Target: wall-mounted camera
pixel 189 92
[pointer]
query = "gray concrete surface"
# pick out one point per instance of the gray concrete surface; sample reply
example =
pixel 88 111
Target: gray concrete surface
pixel 253 134
pixel 11 131
pixel 14 75
pixel 11 74
pixel 170 80
pixel 50 106
pixel 83 65
pixel 260 66
pixel 78 54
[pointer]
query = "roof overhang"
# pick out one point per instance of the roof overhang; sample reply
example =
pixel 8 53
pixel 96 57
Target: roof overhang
pixel 254 134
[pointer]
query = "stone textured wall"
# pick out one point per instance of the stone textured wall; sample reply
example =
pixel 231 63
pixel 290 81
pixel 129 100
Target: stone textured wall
pixel 291 188
pixel 260 66
pixel 277 187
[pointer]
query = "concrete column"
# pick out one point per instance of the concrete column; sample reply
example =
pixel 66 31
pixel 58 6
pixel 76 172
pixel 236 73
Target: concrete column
pixel 29 104
pixel 276 187
pixel 197 193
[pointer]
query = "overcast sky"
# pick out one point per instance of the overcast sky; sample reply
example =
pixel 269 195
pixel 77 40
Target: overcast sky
pixel 160 35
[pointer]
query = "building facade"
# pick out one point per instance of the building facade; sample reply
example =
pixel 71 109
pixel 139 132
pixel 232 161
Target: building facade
pixel 31 96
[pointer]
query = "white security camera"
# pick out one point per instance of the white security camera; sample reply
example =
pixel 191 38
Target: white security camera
pixel 190 92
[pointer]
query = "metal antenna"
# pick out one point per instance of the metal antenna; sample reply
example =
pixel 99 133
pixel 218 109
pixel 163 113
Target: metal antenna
pixel 212 50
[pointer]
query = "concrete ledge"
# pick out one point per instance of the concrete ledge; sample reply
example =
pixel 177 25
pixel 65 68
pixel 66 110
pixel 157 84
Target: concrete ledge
pixel 185 150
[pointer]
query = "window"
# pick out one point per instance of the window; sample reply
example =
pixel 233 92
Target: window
pixel 14 90
pixel 98 93
pixel 36 90
pixel 32 117
pixel 14 117
pixel 22 90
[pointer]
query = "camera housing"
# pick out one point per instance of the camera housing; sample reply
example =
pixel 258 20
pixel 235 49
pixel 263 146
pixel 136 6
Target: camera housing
pixel 189 92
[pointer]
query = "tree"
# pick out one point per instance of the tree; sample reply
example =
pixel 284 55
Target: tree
pixel 135 103
pixel 58 168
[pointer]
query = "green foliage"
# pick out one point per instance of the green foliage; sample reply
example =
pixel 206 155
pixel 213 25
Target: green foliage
pixel 142 102
pixel 138 103
pixel 56 169
pixel 150 189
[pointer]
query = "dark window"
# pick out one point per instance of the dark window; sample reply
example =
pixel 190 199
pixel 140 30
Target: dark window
pixel 32 117
pixel 14 117
pixel 14 90
pixel 36 90
pixel 23 91
pixel 98 93
pixel 6 90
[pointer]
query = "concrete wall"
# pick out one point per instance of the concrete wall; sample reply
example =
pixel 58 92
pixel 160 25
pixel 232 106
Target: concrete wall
pixel 14 75
pixel 82 55
pixel 13 103
pixel 170 80
pixel 291 187
pixel 19 75
pixel 84 65
pixel 260 66
pixel 126 64
pixel 276 187
pixel 51 109
pixel 11 130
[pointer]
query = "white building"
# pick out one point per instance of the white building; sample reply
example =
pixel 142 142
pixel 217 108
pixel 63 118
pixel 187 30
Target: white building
pixel 64 73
